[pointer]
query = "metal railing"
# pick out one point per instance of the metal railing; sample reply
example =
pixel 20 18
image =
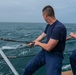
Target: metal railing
pixel 8 62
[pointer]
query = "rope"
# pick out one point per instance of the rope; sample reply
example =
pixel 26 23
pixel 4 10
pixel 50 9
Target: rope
pixel 10 40
pixel 13 57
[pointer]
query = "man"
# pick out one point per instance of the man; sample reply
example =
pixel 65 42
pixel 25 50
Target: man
pixel 51 54
pixel 73 56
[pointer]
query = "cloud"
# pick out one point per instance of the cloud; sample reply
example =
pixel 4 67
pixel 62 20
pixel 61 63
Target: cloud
pixel 31 10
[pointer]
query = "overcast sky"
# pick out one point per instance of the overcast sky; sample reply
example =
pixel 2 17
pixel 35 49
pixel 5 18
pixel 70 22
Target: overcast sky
pixel 31 10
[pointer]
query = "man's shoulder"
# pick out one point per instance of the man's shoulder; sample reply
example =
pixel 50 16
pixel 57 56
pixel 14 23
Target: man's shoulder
pixel 60 25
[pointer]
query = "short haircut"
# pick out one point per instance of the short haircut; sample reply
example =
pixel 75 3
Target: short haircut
pixel 49 10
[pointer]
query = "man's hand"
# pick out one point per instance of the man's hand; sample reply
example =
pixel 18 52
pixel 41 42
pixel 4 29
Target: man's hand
pixel 36 43
pixel 47 46
pixel 72 34
pixel 30 44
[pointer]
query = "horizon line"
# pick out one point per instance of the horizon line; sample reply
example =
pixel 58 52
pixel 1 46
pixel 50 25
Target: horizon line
pixel 26 22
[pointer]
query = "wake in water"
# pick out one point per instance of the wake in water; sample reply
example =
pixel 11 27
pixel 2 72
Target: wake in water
pixel 13 46
pixel 16 51
pixel 66 67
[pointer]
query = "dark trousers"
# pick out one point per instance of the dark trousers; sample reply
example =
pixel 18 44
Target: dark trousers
pixel 52 61
pixel 73 61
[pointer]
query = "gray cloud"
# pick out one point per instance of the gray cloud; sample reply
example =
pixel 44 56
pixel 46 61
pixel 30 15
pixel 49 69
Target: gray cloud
pixel 31 10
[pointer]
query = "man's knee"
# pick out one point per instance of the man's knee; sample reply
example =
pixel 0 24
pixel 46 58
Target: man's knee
pixel 28 70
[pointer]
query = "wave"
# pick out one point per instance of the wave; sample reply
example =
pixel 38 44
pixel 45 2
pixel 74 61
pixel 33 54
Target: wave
pixel 66 66
pixel 1 73
pixel 13 46
pixel 24 53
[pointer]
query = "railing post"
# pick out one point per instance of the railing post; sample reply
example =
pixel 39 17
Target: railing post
pixel 8 62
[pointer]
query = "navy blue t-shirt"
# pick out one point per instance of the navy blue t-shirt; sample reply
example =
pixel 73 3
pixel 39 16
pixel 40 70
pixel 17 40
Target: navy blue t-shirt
pixel 56 31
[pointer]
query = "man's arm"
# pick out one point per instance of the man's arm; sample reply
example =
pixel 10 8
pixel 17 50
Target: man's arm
pixel 49 46
pixel 73 35
pixel 42 36
pixel 53 41
pixel 68 38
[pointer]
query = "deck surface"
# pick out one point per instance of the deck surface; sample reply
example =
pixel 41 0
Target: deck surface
pixel 67 73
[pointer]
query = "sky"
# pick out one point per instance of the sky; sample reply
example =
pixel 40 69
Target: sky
pixel 31 10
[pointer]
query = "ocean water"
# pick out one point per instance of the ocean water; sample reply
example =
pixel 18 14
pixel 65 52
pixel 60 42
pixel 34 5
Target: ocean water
pixel 28 32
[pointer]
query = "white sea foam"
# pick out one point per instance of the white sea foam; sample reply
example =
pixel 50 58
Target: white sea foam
pixel 1 73
pixel 8 47
pixel 23 53
pixel 13 46
pixel 9 33
pixel 66 66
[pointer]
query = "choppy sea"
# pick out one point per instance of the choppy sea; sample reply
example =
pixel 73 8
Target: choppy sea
pixel 20 52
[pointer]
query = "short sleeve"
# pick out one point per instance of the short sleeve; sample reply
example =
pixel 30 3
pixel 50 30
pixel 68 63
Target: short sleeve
pixel 45 31
pixel 56 33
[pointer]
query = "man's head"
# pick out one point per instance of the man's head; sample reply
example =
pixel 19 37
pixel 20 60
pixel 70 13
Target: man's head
pixel 48 12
